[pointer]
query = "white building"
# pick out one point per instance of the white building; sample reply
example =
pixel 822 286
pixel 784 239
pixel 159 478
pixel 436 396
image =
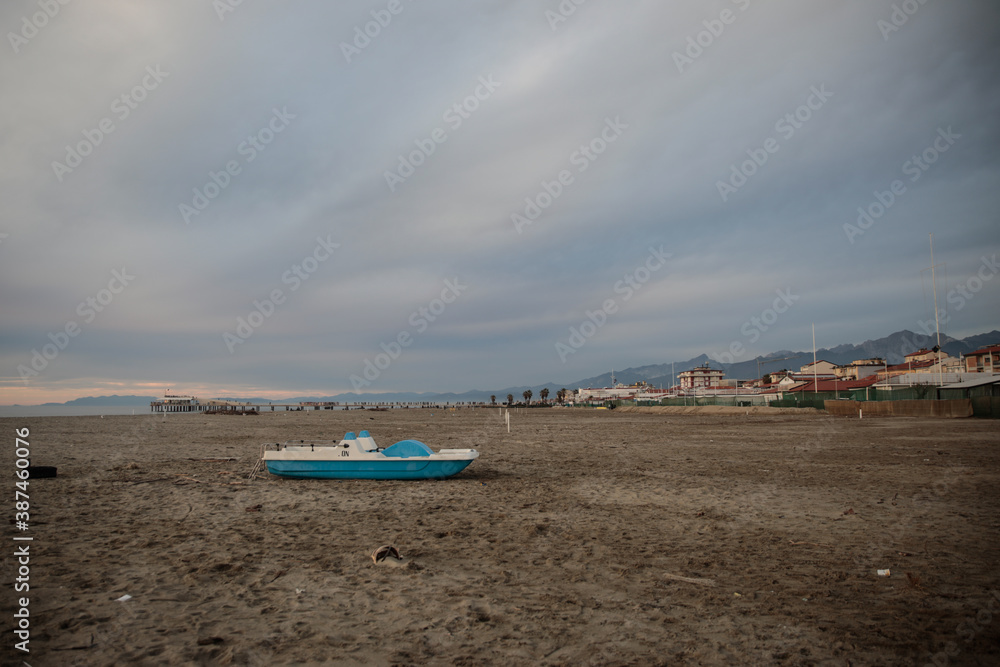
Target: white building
pixel 701 376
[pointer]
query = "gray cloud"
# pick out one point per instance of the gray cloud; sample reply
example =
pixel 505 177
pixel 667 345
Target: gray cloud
pixel 345 124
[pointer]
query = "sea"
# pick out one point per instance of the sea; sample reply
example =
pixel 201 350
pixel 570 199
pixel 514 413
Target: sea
pixel 74 410
pixel 96 410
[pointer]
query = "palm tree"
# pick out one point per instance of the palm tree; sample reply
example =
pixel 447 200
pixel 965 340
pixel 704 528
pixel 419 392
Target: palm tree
pixel 493 400
pixel 527 396
pixel 561 395
pixel 510 399
pixel 544 393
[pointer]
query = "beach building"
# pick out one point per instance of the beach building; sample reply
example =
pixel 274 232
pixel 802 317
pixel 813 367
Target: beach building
pixel 821 367
pixel 906 367
pixel 700 376
pixel 924 354
pixel 945 364
pixel 819 370
pixel 834 386
pixel 982 389
pixel 860 368
pixel 591 394
pixel 775 376
pixel 640 391
pixel 983 360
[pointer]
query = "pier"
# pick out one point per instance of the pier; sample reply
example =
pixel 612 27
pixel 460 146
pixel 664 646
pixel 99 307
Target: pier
pixel 171 403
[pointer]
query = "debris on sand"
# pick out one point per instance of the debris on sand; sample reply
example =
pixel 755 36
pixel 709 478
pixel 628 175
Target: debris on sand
pixel 383 552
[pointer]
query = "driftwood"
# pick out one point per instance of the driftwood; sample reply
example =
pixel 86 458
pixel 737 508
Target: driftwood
pixel 812 544
pixel 690 580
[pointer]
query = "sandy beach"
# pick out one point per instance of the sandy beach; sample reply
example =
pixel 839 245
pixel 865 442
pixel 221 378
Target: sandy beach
pixel 581 537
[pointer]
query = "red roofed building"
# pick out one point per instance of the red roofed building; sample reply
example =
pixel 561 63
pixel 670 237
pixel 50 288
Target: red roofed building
pixel 925 355
pixel 983 360
pixel 910 366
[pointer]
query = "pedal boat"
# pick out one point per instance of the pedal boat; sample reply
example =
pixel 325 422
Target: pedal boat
pixel 358 457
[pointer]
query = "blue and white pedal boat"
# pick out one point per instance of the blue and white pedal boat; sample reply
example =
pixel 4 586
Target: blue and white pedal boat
pixel 358 457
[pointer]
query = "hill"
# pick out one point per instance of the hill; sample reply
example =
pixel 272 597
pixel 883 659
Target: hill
pixel 893 348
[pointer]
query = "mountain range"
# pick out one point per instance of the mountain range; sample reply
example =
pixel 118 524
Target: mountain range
pixel 892 348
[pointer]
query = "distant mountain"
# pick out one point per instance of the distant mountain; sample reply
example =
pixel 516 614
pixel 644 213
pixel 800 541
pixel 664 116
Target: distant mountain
pixel 893 348
pixel 114 399
pixel 981 340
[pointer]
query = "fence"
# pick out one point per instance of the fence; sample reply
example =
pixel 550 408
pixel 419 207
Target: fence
pixel 915 400
pixel 745 401
pixel 986 406
pixel 912 408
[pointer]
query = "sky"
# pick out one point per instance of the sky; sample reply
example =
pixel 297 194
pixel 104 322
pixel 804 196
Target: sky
pixel 279 199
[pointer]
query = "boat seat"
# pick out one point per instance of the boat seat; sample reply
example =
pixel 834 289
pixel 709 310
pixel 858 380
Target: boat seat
pixel 366 442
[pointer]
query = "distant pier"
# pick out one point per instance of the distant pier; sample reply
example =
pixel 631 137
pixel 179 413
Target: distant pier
pixel 211 406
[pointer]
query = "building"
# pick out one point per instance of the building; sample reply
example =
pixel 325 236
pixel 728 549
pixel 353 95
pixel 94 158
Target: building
pixel 860 368
pixel 835 386
pixel 983 360
pixel 821 367
pixel 946 364
pixel 617 393
pixel 924 354
pixel 700 376
pixel 775 376
pixel 983 391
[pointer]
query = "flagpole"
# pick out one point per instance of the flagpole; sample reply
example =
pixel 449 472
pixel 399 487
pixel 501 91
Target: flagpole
pixel 937 323
pixel 815 390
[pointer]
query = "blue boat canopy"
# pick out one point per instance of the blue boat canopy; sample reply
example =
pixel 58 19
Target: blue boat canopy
pixel 407 448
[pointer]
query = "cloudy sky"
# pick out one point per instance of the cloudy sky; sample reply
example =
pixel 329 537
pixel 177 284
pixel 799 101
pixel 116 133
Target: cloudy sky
pixel 291 198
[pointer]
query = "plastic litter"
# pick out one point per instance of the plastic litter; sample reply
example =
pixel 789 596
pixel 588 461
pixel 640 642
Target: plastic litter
pixel 384 551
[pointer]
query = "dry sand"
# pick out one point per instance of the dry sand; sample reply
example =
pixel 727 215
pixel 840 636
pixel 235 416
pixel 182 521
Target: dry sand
pixel 582 537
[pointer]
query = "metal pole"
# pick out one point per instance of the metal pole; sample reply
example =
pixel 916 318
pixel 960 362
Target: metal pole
pixel 814 359
pixel 937 323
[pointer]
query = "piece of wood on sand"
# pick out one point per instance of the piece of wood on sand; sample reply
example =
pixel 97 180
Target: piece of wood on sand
pixel 690 580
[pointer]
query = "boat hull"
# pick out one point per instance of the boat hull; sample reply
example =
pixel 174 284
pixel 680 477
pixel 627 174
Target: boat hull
pixel 407 468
